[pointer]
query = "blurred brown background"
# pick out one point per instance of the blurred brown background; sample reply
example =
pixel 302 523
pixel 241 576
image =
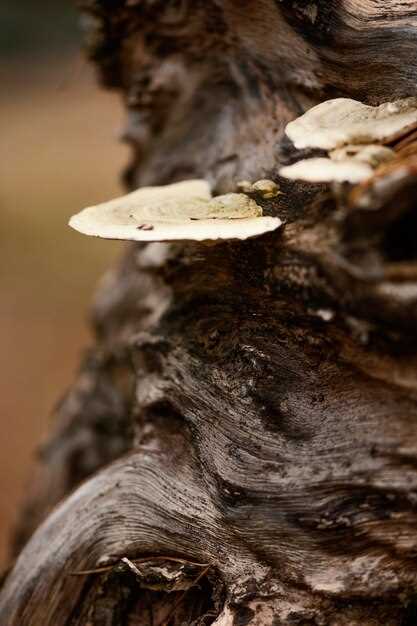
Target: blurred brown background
pixel 58 153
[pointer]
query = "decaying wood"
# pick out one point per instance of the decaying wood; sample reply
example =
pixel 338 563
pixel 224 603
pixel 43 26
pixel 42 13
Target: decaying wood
pixel 246 420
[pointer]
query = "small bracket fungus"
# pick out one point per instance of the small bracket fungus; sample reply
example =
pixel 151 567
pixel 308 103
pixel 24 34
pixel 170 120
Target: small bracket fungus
pixel 373 154
pixel 352 132
pixel 266 188
pixel 181 211
pixel 342 121
pixel 322 170
pixel 245 186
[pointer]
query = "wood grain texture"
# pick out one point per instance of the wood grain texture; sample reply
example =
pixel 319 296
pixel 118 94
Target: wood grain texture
pixel 249 407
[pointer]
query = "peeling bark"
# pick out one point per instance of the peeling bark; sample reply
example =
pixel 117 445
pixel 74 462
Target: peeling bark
pixel 244 429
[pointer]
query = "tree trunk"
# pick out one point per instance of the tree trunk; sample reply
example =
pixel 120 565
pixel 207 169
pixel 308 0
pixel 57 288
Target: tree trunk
pixel 245 426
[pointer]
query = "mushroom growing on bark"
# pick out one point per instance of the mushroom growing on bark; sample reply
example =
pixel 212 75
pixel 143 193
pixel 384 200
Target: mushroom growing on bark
pixel 348 130
pixel 240 445
pixel 342 121
pixel 181 211
pixel 373 154
pixel 322 170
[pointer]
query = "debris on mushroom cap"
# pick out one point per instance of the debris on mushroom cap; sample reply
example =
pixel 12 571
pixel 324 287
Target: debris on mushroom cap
pixel 179 211
pixel 343 121
pixel 322 170
pixel 373 154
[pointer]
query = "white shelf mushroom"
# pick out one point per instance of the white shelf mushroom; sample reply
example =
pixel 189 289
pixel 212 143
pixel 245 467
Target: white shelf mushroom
pixel 181 211
pixel 266 188
pixel 373 154
pixel 352 132
pixel 322 170
pixel 342 121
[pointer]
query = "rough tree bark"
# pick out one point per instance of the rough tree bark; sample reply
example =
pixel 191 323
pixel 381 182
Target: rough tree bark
pixel 244 427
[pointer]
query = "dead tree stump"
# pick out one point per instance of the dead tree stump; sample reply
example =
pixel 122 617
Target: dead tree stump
pixel 243 432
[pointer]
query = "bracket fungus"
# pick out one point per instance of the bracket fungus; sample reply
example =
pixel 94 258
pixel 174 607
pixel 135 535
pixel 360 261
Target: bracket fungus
pixel 180 211
pixel 353 134
pixel 342 121
pixel 266 188
pixel 323 170
pixel 373 154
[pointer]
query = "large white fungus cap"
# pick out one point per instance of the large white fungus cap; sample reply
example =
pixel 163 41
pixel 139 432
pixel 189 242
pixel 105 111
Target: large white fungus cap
pixel 322 170
pixel 181 211
pixel 335 123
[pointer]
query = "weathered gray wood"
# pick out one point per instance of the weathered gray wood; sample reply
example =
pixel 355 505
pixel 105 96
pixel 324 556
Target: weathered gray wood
pixel 248 408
